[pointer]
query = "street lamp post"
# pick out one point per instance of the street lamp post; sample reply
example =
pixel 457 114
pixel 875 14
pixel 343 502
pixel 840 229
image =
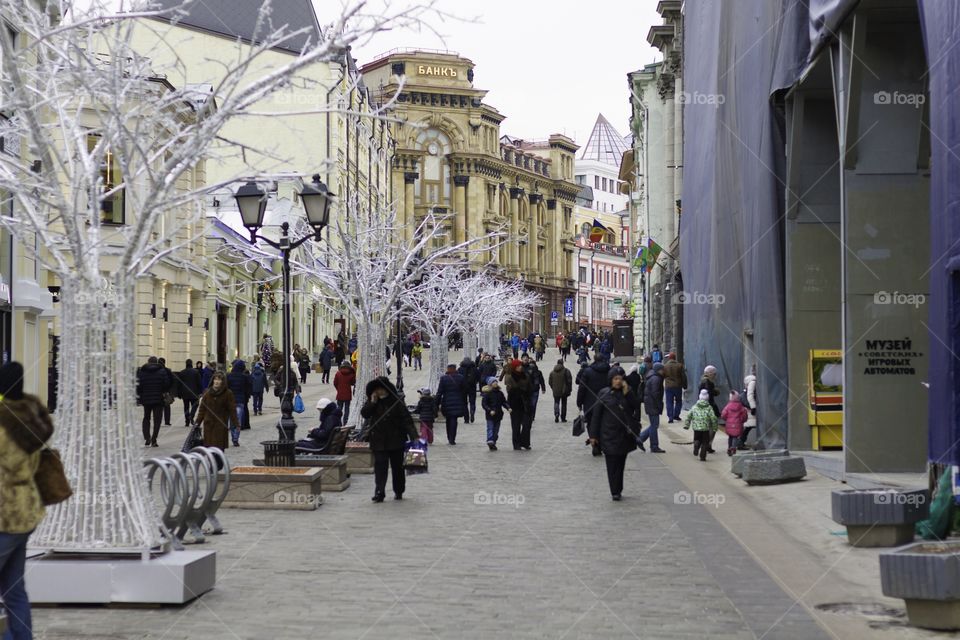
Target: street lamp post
pixel 252 203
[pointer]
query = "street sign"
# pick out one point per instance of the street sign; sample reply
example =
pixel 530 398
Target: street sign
pixel 568 308
pixel 618 301
pixel 554 318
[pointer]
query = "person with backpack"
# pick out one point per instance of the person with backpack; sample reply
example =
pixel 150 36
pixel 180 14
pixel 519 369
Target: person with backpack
pixel 674 384
pixel 656 355
pixel 258 385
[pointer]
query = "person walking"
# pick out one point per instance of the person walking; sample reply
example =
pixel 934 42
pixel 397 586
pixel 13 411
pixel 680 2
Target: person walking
pixel 493 403
pixel 189 391
pixel 515 345
pixel 592 380
pixel 416 353
pixel 519 390
pixel 486 369
pixel 25 427
pixel 614 428
pixel 427 413
pixel 539 347
pixel 564 347
pixel 704 423
pixel 217 413
pixel 303 365
pixel 656 355
pixel 344 381
pixel 674 384
pixel 326 363
pixel 709 382
pixel 241 386
pixel 259 384
pixel 152 382
pixel 468 369
pixel 750 388
pixel 452 400
pixel 537 386
pixel 199 366
pixel 391 426
pixel 207 374
pixel 733 415
pixel 168 396
pixel 561 383
pixel 653 407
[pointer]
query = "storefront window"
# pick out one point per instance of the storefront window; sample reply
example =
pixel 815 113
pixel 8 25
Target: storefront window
pixel 112 208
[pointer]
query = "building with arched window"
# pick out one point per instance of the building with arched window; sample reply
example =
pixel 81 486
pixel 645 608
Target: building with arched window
pixel 451 156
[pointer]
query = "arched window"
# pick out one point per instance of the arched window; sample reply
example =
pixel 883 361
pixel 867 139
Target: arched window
pixel 585 229
pixel 433 187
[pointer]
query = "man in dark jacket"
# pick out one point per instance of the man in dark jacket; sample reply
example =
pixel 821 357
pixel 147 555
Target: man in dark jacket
pixel 592 380
pixel 238 381
pixel 171 388
pixel 152 381
pixel 391 425
pixel 653 407
pixel 258 386
pixel 674 383
pixel 613 428
pixel 561 383
pixel 207 373
pixel 486 369
pixel 537 386
pixel 190 391
pixel 468 369
pixel 326 362
pixel 452 400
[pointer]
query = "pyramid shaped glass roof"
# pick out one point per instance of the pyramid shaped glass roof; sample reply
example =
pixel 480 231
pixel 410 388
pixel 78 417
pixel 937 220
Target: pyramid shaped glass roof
pixel 605 144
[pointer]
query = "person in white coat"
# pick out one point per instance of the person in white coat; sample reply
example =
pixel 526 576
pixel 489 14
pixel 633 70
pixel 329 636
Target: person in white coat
pixel 750 384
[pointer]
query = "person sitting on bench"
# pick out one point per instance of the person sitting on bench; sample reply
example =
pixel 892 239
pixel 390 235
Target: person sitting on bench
pixel 318 438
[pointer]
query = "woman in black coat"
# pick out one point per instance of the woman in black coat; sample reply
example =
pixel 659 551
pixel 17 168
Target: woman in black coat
pixel 519 392
pixel 391 425
pixel 614 426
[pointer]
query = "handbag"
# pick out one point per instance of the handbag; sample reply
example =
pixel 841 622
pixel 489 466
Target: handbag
pixel 168 398
pixel 194 439
pixel 415 459
pixel 298 404
pixel 50 478
pixel 578 426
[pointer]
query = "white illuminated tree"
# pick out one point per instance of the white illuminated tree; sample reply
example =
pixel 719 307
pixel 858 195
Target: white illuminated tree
pixel 87 120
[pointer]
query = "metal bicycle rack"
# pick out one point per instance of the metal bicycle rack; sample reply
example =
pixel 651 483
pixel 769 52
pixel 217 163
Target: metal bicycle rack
pixel 188 491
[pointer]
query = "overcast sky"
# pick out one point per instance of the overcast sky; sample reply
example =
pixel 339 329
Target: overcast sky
pixel 550 65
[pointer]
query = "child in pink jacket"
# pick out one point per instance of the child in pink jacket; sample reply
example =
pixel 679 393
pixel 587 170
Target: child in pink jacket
pixel 733 415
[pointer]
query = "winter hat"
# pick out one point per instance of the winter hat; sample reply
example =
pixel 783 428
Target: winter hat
pixel 709 370
pixel 658 366
pixel 11 380
pixel 515 364
pixel 323 403
pixel 492 380
pixel 704 394
pixel 451 366
pixel 671 356
pixel 734 396
pixel 423 391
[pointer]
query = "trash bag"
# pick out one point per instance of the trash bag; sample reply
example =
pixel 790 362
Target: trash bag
pixel 937 526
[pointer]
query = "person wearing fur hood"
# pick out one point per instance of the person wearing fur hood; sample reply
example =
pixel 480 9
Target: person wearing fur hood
pixel 750 385
pixel 391 425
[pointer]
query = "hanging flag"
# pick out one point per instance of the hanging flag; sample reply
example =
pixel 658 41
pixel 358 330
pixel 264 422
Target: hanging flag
pixel 640 260
pixel 652 253
pixel 597 232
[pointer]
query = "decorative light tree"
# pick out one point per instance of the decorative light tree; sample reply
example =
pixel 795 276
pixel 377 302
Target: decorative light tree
pixel 89 123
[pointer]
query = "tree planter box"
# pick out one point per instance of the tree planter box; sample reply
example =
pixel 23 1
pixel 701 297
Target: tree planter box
pixel 927 576
pixel 774 470
pixel 359 458
pixel 738 459
pixel 287 488
pixel 3 623
pixel 879 517
pixel 334 476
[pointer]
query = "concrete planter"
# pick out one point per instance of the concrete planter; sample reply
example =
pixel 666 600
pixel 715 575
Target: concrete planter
pixel 879 517
pixel 334 476
pixel 774 470
pixel 3 623
pixel 359 458
pixel 927 576
pixel 287 488
pixel 738 459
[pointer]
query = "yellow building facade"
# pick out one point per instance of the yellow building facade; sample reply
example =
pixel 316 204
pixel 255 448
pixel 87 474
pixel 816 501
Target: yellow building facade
pixel 450 156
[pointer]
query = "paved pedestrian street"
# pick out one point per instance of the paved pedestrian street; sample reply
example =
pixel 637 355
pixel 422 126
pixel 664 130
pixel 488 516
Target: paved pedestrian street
pixel 505 544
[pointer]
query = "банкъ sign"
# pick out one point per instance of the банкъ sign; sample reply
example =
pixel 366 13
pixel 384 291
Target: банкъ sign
pixel 428 70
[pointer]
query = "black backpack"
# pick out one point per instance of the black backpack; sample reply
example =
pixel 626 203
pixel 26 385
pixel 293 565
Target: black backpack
pixel 744 400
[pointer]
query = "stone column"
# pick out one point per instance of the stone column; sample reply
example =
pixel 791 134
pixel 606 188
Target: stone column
pixel 409 213
pixel 515 227
pixel 554 266
pixel 460 208
pixel 178 307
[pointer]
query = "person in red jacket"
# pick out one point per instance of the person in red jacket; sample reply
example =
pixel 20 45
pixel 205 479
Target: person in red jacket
pixel 344 381
pixel 734 415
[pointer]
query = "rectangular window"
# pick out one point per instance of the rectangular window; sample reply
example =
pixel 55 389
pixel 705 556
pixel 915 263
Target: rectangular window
pixel 582 305
pixel 604 184
pixel 596 182
pixel 111 208
pixel 583 274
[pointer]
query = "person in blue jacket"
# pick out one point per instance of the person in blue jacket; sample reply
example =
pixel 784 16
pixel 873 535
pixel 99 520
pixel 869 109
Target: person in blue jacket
pixel 452 400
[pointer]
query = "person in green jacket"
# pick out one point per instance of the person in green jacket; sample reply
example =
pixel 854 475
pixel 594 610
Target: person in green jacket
pixel 704 422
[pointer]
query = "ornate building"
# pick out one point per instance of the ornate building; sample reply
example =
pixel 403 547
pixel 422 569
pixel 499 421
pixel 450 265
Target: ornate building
pixel 450 155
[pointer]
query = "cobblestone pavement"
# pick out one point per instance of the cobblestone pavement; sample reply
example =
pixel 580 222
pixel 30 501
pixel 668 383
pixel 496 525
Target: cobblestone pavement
pixel 551 557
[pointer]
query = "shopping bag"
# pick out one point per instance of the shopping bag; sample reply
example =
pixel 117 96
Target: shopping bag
pixel 194 439
pixel 578 426
pixel 415 459
pixel 298 404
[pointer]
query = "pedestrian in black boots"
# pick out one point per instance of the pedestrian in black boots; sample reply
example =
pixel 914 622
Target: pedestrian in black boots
pixel 614 426
pixel 452 400
pixel 391 426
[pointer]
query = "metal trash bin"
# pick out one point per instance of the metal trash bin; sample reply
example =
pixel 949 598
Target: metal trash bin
pixel 279 453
